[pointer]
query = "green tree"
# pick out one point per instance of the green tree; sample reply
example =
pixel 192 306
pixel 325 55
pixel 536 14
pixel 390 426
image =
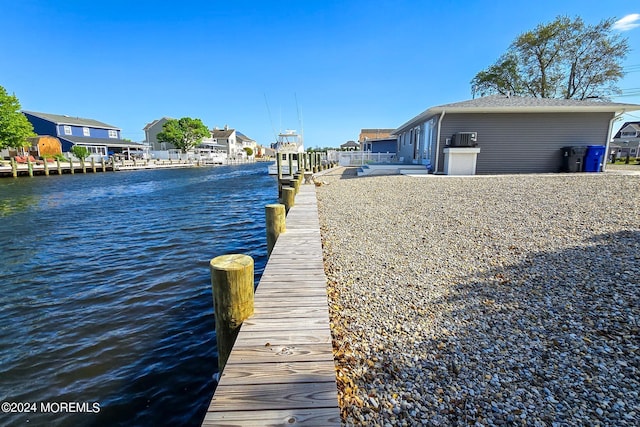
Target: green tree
pixel 562 59
pixel 184 133
pixel 249 151
pixel 80 151
pixel 14 126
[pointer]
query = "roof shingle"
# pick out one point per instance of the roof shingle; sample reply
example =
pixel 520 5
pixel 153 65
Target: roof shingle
pixel 73 121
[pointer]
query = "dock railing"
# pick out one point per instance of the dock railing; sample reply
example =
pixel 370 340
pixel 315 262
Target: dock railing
pixel 359 158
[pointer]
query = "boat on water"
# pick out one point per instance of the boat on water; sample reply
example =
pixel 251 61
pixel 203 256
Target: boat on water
pixel 211 153
pixel 289 146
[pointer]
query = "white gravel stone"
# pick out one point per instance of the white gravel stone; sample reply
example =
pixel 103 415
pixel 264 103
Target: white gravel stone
pixel 503 300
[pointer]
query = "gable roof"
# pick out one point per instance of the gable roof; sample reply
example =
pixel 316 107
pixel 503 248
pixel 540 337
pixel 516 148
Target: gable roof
pixel 72 121
pixel 242 137
pixel 222 133
pixel 155 122
pixel 634 125
pixel 521 104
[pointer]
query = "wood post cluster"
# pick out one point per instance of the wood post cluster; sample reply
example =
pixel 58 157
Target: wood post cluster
pixel 59 168
pixel 232 275
pixel 309 161
pixel 288 188
pixel 232 282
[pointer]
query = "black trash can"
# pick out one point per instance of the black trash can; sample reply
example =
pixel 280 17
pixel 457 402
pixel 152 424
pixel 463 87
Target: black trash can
pixel 573 158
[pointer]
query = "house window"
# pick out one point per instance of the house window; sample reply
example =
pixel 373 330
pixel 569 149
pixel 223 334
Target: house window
pixel 85 131
pixel 113 134
pixel 98 150
pixel 628 134
pixel 67 130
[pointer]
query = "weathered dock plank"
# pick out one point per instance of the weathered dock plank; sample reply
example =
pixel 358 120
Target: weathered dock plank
pixel 281 370
pixel 319 417
pixel 297 395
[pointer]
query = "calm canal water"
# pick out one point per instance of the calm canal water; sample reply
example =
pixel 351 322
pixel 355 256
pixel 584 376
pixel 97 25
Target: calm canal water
pixel 105 294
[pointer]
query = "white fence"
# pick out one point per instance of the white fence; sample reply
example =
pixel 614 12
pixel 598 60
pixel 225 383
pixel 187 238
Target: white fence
pixel 358 158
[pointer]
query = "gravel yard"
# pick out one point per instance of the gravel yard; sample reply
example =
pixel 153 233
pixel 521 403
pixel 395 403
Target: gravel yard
pixel 487 300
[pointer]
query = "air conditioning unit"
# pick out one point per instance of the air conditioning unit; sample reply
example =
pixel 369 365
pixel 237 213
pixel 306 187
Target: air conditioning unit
pixel 464 139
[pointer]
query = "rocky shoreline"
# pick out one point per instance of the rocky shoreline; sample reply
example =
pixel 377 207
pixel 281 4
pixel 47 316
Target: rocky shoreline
pixel 502 300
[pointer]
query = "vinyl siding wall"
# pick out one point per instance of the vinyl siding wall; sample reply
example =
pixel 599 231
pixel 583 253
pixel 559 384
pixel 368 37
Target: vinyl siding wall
pixel 93 132
pixel 525 142
pixel 152 136
pixel 41 126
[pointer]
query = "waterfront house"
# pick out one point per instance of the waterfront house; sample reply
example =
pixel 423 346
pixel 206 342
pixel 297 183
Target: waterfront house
pixel 151 131
pixel 626 142
pixel 229 139
pixel 99 138
pixel 247 142
pixel 377 140
pixel 506 134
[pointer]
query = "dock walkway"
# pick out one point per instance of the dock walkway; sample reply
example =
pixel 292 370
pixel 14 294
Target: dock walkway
pixel 281 369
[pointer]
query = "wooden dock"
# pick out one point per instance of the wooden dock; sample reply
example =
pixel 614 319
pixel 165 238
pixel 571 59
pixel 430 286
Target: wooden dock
pixel 281 369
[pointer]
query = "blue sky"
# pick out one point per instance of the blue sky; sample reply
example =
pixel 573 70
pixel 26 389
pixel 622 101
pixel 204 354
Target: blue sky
pixel 331 67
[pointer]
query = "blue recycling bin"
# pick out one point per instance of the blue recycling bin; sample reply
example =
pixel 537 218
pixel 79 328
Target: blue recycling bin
pixel 593 158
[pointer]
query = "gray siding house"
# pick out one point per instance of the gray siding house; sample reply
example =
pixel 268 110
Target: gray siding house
pixel 151 131
pixel 514 134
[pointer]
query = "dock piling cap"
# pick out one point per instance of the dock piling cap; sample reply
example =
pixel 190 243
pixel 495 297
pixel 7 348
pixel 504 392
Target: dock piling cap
pixel 231 262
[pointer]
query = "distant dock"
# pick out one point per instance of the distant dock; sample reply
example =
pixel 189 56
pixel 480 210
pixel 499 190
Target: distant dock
pixel 281 370
pixel 9 169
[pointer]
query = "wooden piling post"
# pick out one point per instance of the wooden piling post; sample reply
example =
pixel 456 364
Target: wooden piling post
pixel 279 165
pixel 104 167
pixel 282 182
pixel 46 167
pixel 59 166
pixel 71 166
pixel 275 216
pixel 296 185
pixel 83 165
pixel 14 167
pixel 232 283
pixel 290 164
pixel 29 166
pixel 93 164
pixel 288 197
